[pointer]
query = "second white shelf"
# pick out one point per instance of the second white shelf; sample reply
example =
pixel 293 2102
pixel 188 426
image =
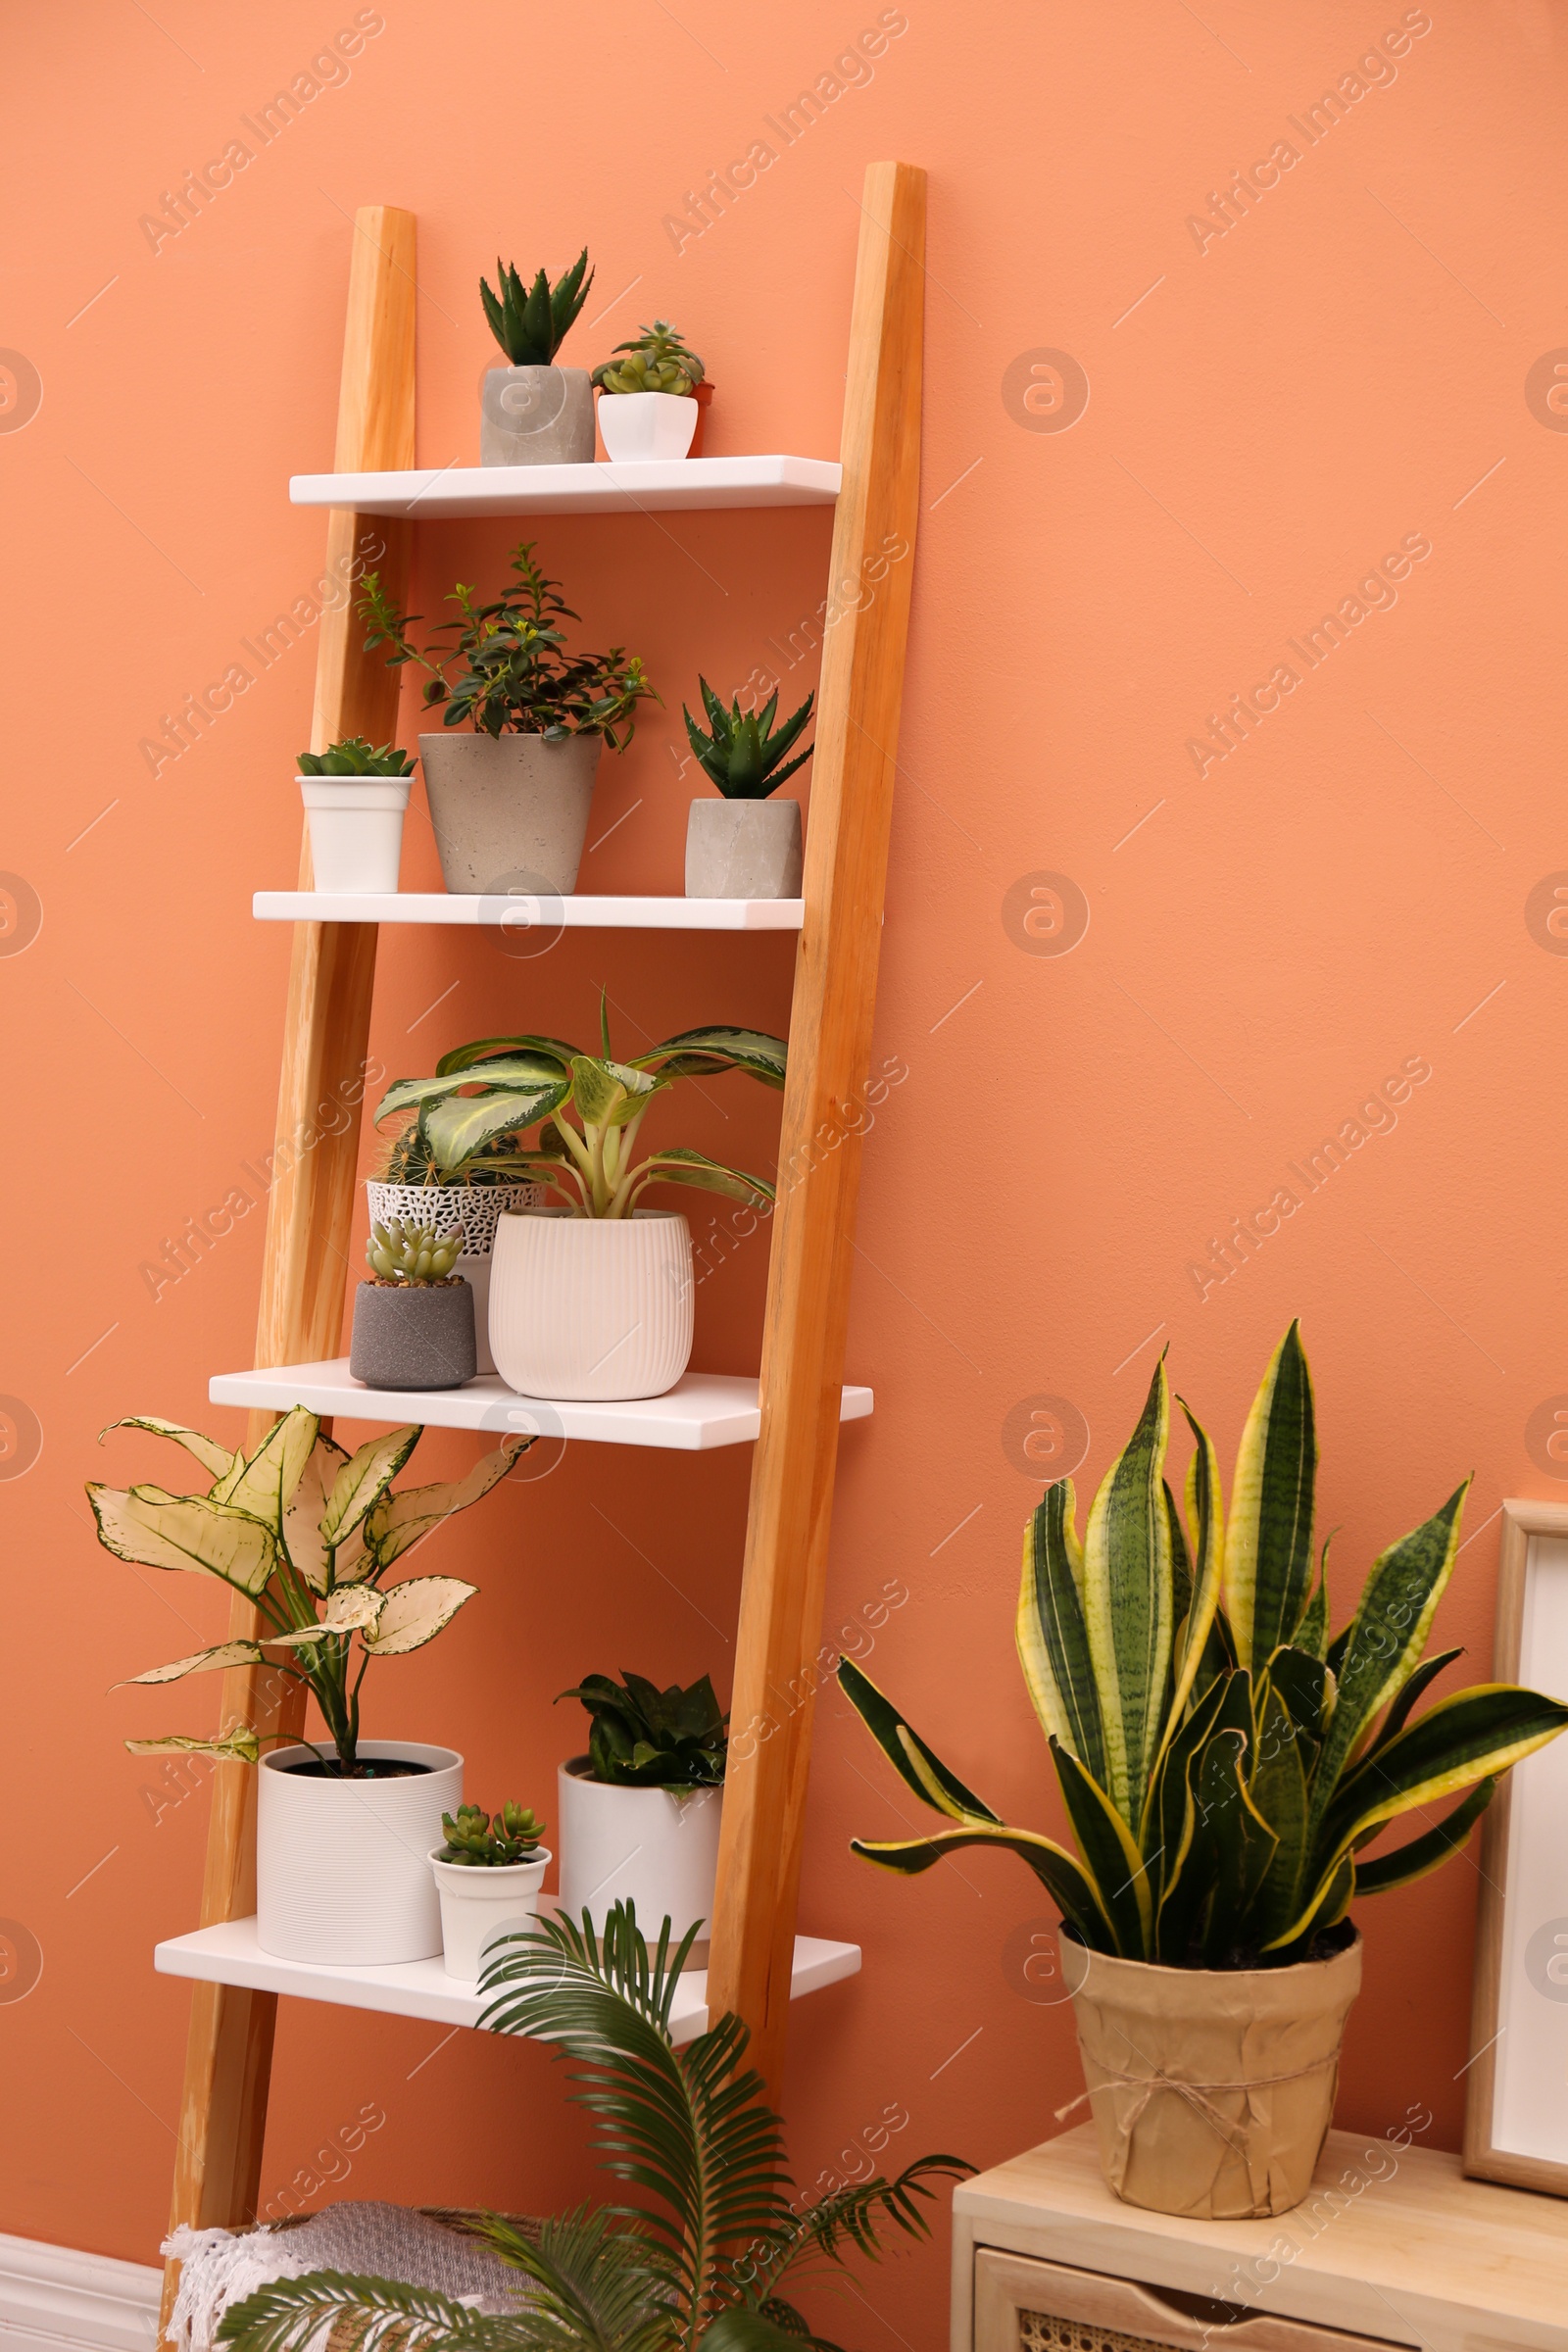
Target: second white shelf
pixel 515 913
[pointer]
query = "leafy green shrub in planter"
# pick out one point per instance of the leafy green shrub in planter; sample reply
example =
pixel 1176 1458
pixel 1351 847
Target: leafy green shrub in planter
pixel 645 1738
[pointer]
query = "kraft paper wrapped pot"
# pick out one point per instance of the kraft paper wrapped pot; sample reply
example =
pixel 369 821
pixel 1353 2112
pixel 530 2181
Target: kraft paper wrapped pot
pixel 1212 2090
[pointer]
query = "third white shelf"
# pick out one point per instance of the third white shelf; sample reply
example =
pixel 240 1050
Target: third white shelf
pixel 518 915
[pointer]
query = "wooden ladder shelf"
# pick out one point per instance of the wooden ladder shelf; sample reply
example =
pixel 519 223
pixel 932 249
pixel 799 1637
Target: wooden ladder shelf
pixel 310 1216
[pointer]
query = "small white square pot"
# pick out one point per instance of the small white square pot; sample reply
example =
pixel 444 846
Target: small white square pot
pixel 342 1867
pixel 480 1905
pixel 355 829
pixel 597 1308
pixel 655 1847
pixel 536 416
pixel 638 426
pixel 744 850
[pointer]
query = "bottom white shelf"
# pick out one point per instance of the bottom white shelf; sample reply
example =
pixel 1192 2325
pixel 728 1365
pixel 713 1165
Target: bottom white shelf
pixel 231 1955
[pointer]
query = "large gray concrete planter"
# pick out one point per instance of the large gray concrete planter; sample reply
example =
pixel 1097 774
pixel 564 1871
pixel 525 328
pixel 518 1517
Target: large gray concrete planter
pixel 743 850
pixel 413 1335
pixel 509 805
pixel 536 416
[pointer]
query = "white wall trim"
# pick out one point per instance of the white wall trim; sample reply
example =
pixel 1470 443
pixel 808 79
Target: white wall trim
pixel 54 2299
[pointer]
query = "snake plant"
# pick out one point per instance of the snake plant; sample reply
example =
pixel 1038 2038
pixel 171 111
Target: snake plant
pixel 743 753
pixel 1223 1762
pixel 699 2263
pixel 530 327
pixel 499 1087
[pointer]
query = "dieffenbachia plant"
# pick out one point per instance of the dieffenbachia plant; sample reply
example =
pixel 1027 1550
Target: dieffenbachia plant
pixel 306 1533
pixel 1222 1761
pixel 501 1086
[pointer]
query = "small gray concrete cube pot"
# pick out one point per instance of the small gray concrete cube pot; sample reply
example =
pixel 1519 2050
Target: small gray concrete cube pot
pixel 743 850
pixel 413 1335
pixel 536 416
pixel 509 803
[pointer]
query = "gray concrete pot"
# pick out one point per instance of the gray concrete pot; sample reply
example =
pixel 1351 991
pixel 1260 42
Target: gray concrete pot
pixel 412 1336
pixel 743 850
pixel 536 416
pixel 504 805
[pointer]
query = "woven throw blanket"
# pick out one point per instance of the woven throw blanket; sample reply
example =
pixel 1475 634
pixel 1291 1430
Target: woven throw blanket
pixel 221 2267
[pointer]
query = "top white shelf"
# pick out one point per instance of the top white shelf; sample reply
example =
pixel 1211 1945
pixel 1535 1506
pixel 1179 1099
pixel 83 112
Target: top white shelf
pixel 659 486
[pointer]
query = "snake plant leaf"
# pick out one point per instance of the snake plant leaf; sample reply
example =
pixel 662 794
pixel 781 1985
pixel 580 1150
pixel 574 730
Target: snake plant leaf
pixel 705 1052
pixel 241 1745
pixel 456 1129
pixel 1473 1736
pixel 263 1485
pixel 1052 1642
pixel 1063 1878
pixel 1181 1566
pixel 1313 1634
pixel 1206 1513
pixel 1404 1864
pixel 609 1093
pixel 1111 1861
pixel 1172 1830
pixel 889 1730
pixel 201 1661
pixel 1281 1795
pixel 414 1613
pixel 1405 1704
pixel 400 1521
pixel 1305 1686
pixel 1330 1901
pixel 1128 1601
pixel 1388 1633
pixel 363 1481
pixel 679 1164
pixel 1268 1543
pixel 304 1511
pixel 212 1456
pixel 190 1532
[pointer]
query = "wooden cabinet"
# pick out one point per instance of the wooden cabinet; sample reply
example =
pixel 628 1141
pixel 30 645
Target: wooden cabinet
pixel 1392 2248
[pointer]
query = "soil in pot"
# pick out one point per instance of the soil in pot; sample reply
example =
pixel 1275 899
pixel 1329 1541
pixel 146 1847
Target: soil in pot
pixel 536 416
pixel 508 805
pixel 375 1767
pixel 414 1335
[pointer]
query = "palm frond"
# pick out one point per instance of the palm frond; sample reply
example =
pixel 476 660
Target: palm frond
pixel 852 2215
pixel 359 2314
pixel 597 2292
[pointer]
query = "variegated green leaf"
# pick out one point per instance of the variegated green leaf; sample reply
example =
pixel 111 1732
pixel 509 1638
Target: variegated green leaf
pixel 1268 1543
pixel 515 1073
pixel 263 1485
pixel 463 1124
pixel 678 1164
pixel 363 1481
pixel 937 1786
pixel 1325 1908
pixel 705 1052
pixel 414 1613
pixel 1055 1869
pixel 201 1661
pixel 1205 1512
pixel 189 1531
pixel 489 1051
pixel 400 1521
pixel 212 1456
pixel 238 1747
pixel 1280 1794
pixel 1471 1736
pixel 1402 1865
pixel 302 1517
pixel 608 1094
pixel 1128 1601
pixel 1052 1642
pixel 1111 1861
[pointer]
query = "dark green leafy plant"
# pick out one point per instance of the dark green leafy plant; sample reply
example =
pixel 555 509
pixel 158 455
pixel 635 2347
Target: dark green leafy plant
pixel 354 755
pixel 512 673
pixel 415 1255
pixel 1223 1762
pixel 743 753
pixel 701 2263
pixel 645 1738
pixel 473 1839
pixel 530 327
pixel 657 362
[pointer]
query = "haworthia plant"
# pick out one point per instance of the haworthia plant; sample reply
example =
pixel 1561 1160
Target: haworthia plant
pixel 1222 1762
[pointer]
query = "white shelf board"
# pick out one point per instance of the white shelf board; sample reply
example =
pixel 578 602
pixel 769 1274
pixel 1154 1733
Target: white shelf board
pixel 703 1410
pixel 231 1954
pixel 658 486
pixel 518 913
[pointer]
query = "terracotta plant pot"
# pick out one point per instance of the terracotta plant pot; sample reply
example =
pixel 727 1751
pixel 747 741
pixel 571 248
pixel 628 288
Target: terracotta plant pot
pixel 469 1208
pixel 414 1335
pixel 744 850
pixel 536 416
pixel 655 1847
pixel 509 807
pixel 479 1904
pixel 341 1875
pixel 356 830
pixel 591 1307
pixel 636 427
pixel 1212 2088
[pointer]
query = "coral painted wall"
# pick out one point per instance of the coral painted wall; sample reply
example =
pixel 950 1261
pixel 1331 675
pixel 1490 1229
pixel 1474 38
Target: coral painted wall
pixel 1178 893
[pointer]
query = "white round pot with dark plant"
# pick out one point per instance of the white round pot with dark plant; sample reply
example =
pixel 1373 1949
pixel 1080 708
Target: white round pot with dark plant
pixel 648 406
pixel 467 1210
pixel 640 1812
pixel 745 845
pixel 533 413
pixel 355 797
pixel 342 1869
pixel 413 1318
pixel 592 1307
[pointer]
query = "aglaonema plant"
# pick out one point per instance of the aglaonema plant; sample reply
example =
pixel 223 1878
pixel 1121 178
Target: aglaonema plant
pixel 589 1110
pixel 306 1533
pixel 1223 1762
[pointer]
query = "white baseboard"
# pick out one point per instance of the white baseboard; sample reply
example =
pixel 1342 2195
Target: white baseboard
pixel 54 2299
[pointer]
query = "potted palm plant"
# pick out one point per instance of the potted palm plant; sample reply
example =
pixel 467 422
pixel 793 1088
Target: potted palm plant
pixel 745 845
pixel 594 1299
pixel 533 413
pixel 649 395
pixel 413 1317
pixel 701 2263
pixel 305 1532
pixel 640 1812
pixel 487 1874
pixel 510 800
pixel 1224 1762
pixel 355 795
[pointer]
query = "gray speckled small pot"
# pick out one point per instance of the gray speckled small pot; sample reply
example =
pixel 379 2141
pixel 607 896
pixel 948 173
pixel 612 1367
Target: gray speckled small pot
pixel 536 416
pixel 744 850
pixel 412 1336
pixel 508 805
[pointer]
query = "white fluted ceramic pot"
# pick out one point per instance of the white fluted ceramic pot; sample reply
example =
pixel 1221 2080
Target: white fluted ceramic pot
pixel 480 1905
pixel 342 1867
pixel 655 1847
pixel 592 1309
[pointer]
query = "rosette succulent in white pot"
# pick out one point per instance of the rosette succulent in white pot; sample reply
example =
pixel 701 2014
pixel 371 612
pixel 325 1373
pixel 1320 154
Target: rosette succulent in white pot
pixel 354 795
pixel 489 1875
pixel 745 845
pixel 640 1812
pixel 648 397
pixel 591 1298
pixel 305 1533
pixel 531 411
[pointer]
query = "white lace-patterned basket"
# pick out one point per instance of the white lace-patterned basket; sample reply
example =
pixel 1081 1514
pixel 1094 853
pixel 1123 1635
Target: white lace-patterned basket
pixel 474 1208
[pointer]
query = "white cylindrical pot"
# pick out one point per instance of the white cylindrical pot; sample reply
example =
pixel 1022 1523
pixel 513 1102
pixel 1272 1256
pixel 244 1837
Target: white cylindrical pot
pixel 480 1905
pixel 355 829
pixel 473 1209
pixel 655 1847
pixel 638 426
pixel 342 1867
pixel 594 1309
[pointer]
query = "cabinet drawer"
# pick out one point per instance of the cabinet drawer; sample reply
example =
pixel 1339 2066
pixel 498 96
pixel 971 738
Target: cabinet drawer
pixel 1021 2305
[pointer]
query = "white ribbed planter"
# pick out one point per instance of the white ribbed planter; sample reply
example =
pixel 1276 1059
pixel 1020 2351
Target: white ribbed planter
pixel 591 1308
pixel 638 426
pixel 472 1208
pixel 342 1867
pixel 655 1847
pixel 480 1905
pixel 355 829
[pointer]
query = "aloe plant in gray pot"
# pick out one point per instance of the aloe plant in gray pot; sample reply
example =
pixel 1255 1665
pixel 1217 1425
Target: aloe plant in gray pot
pixel 745 845
pixel 533 413
pixel 510 801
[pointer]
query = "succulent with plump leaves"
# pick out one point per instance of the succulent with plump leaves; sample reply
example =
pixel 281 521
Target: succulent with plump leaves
pixel 476 1841
pixel 356 756
pixel 657 362
pixel 414 1255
